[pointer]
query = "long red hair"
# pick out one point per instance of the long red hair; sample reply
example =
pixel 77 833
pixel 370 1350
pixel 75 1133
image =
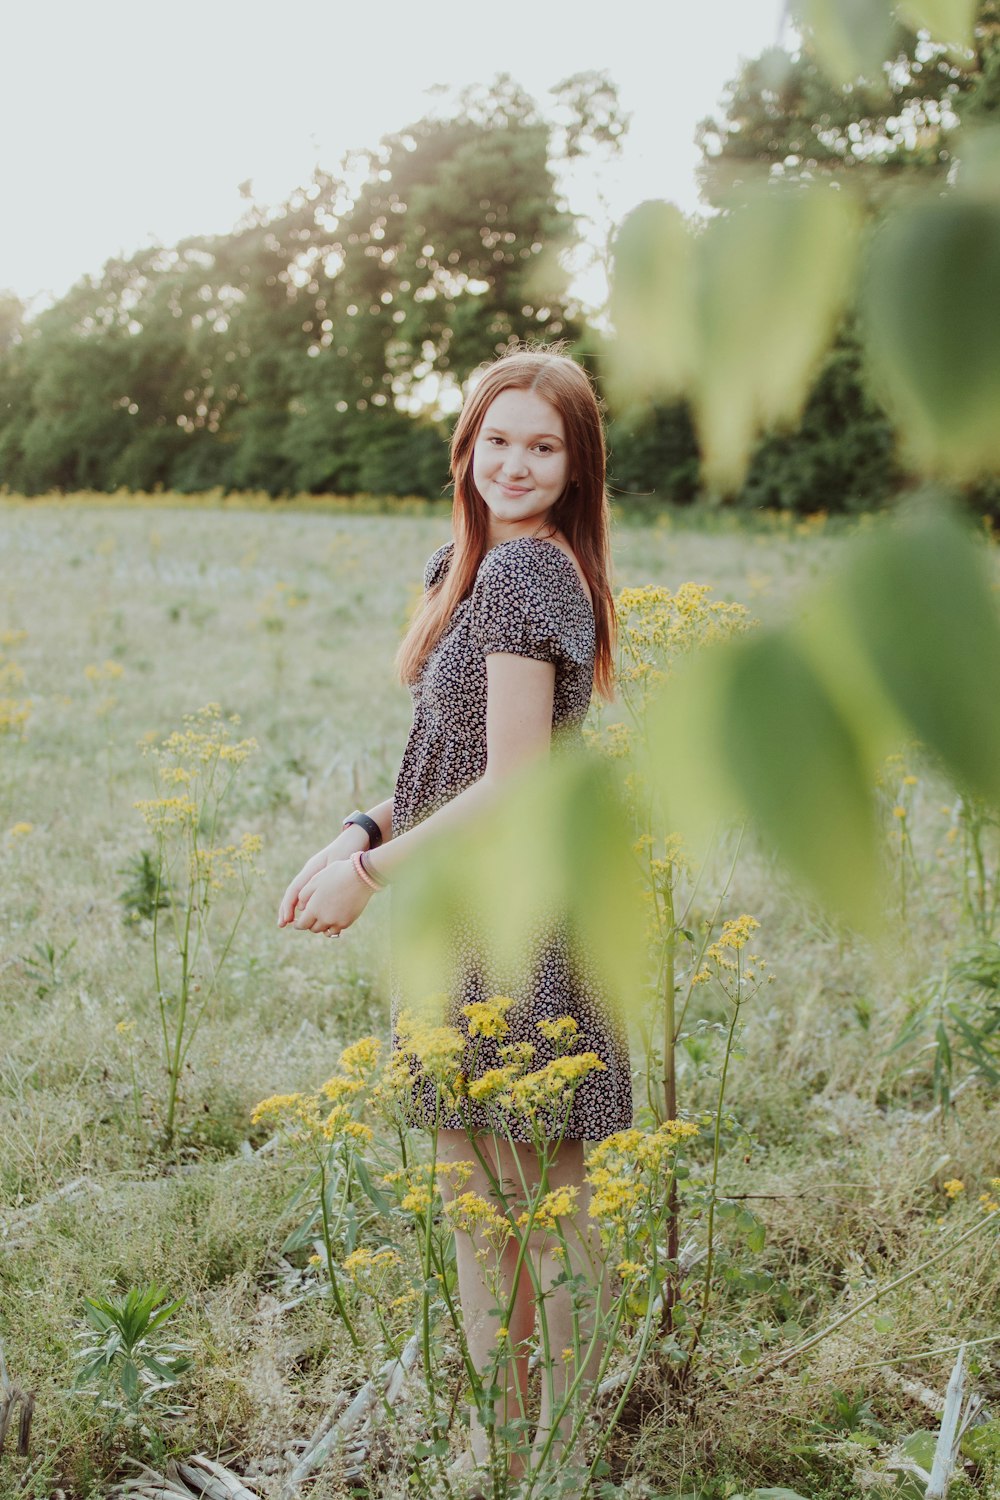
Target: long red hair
pixel 581 513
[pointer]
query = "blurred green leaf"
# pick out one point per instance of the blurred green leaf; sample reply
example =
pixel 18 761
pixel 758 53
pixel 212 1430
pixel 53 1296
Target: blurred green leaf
pixel 795 759
pixel 851 38
pixel 652 303
pixel 932 319
pixel 774 275
pixel 751 727
pixel 947 21
pixel 978 154
pixel 554 847
pixel 919 596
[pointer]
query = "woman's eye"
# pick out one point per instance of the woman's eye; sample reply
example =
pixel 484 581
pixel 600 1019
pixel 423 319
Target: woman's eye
pixel 544 448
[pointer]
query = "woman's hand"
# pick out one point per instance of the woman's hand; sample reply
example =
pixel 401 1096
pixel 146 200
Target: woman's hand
pixel 342 847
pixel 332 899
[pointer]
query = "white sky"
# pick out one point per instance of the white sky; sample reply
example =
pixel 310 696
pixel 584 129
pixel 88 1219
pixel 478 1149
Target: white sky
pixel 125 123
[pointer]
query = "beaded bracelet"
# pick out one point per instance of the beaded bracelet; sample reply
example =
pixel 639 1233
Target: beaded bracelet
pixel 363 873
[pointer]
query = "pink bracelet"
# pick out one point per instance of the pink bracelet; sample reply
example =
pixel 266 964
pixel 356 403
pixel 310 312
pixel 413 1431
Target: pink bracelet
pixel 358 861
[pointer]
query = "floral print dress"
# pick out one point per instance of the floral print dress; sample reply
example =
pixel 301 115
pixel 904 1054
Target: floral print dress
pixel 528 601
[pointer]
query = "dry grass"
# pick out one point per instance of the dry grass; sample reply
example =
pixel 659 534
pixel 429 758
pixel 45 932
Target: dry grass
pixel 291 620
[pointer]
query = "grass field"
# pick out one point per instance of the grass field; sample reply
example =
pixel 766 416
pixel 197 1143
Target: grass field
pixel 290 620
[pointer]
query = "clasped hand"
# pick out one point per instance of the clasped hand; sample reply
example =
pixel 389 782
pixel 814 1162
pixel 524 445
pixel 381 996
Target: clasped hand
pixel 325 897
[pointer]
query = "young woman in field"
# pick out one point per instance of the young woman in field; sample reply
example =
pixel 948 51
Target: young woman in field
pixel 515 628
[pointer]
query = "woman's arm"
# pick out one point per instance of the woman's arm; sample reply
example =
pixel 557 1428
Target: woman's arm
pixel 520 693
pixel 519 699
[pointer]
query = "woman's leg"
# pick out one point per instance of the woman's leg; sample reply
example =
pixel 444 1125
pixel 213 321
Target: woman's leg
pixel 486 1279
pixel 571 1313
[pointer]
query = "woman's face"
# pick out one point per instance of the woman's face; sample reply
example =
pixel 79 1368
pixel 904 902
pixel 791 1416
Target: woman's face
pixel 520 463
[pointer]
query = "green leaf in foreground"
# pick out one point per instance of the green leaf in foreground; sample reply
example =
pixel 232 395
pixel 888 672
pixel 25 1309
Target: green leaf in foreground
pixel 553 847
pixel 796 761
pixel 946 21
pixel 931 311
pixel 920 600
pixel 851 38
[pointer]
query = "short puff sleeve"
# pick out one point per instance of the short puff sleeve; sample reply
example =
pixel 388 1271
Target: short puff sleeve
pixel 521 603
pixel 437 565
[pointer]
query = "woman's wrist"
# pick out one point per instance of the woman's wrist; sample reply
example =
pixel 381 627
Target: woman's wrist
pixel 349 841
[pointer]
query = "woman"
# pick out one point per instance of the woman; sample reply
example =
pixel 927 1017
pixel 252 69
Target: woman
pixel 515 629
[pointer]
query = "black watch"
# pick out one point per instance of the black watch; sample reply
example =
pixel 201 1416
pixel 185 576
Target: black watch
pixel 369 825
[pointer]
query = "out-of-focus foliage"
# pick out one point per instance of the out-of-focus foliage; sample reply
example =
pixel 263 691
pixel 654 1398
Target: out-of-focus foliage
pixel 554 849
pixel 785 116
pixel 738 313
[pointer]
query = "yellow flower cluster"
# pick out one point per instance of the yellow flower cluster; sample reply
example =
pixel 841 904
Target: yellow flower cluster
pixel 733 938
pixel 421 1183
pixel 470 1213
pixel 552 1085
pixel 14 711
pixel 214 867
pixel 360 1059
pixel 204 741
pixel 988 1201
pixel 954 1186
pixel 624 1166
pixel 494 1081
pixel 561 1031
pixel 488 1017
pixel 162 813
pixel 307 1118
pixel 20 830
pixel 614 741
pixel 437 1049
pixel 368 1268
pixel 554 1206
pixel 657 627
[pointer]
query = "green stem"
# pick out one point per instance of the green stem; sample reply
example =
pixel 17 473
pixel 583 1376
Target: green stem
pixel 716 1142
pixel 330 1266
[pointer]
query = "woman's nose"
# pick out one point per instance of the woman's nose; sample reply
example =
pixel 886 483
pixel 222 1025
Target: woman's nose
pixel 514 462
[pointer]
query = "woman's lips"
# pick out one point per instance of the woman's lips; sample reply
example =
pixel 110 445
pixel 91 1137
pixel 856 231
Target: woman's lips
pixel 514 489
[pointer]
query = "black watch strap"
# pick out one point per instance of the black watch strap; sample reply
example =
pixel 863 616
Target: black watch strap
pixel 369 825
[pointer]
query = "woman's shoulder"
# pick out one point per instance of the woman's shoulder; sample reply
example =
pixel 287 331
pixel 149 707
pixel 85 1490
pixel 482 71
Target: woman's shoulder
pixel 528 561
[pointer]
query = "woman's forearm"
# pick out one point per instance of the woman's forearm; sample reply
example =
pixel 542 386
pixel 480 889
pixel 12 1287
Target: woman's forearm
pixel 388 860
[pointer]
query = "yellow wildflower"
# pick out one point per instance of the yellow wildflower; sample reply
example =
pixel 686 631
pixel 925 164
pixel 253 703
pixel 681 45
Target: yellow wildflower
pixel 469 1212
pixel 614 1199
pixel 20 830
pixel 629 1269
pixel 124 1027
pixel 899 812
pixel 360 1058
pixel 493 1082
pixel 436 1048
pixel 954 1186
pixel 338 1089
pixel 364 1265
pixel 553 1084
pixel 550 1209
pixel 488 1017
pixel 563 1029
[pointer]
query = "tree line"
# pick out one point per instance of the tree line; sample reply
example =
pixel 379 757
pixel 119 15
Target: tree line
pixel 320 346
